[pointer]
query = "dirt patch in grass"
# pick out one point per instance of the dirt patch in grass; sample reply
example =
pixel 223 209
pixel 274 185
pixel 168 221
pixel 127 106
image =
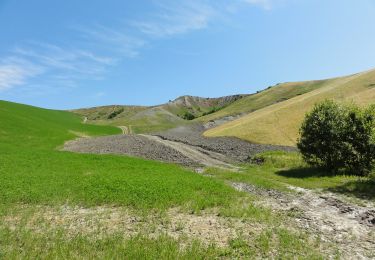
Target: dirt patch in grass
pixel 350 227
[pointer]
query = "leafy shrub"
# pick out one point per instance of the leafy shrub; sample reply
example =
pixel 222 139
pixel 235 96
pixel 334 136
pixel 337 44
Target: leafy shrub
pixel 115 113
pixel 188 116
pixel 339 137
pixel 211 111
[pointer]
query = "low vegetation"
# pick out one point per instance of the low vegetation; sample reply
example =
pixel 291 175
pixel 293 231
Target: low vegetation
pixel 279 169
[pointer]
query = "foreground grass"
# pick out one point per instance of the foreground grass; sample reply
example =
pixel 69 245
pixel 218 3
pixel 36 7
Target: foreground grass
pixel 278 243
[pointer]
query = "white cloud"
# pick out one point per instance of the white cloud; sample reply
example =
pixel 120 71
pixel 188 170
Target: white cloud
pixel 266 4
pixel 15 72
pixel 38 64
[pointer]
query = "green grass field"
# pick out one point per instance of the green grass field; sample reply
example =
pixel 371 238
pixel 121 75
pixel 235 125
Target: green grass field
pixel 33 171
pixel 44 194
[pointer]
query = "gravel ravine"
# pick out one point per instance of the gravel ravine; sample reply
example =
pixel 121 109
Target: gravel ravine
pixel 133 145
pixel 234 148
pixel 197 154
pixel 182 145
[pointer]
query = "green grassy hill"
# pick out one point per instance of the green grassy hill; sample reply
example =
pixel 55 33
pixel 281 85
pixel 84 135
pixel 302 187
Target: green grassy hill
pixel 279 122
pixel 34 171
pixel 36 178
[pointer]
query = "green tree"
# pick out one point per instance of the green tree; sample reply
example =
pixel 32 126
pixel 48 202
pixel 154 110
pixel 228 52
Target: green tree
pixel 338 137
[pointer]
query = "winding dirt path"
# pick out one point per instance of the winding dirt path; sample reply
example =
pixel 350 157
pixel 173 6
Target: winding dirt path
pixel 125 130
pixel 196 154
pixel 350 227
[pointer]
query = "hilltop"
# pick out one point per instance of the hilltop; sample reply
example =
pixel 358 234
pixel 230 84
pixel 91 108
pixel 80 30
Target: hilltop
pixel 143 119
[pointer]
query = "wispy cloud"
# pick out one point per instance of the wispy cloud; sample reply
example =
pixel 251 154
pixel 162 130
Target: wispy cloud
pixel 50 64
pixel 55 57
pixel 266 4
pixel 15 72
pixel 177 18
pixel 114 40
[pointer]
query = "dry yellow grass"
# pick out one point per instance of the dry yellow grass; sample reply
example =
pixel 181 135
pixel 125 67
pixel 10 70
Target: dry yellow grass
pixel 279 123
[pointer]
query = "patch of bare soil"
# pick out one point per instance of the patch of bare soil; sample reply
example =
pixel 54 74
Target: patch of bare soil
pixel 350 227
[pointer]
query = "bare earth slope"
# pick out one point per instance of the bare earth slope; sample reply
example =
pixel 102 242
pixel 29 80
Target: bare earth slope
pixel 279 123
pixel 349 226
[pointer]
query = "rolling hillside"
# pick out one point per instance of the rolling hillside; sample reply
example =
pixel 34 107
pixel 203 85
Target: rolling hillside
pixel 141 119
pixel 279 123
pixel 34 172
pixel 267 97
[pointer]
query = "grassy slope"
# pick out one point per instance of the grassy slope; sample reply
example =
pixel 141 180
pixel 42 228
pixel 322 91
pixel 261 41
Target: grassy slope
pixel 32 171
pixel 279 123
pixel 138 119
pixel 270 96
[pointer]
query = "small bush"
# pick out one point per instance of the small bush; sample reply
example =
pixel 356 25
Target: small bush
pixel 188 116
pixel 211 111
pixel 339 137
pixel 115 113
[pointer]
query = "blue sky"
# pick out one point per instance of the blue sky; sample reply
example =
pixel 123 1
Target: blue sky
pixel 71 54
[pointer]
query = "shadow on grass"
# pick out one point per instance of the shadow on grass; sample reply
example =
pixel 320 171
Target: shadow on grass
pixel 362 188
pixel 301 173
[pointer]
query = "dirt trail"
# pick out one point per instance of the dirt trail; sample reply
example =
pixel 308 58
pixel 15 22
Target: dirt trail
pixel 196 154
pixel 125 130
pixel 350 227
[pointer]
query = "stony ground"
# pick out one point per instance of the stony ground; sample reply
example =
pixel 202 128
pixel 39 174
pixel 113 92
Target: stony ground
pixel 182 145
pixel 233 148
pixel 133 145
